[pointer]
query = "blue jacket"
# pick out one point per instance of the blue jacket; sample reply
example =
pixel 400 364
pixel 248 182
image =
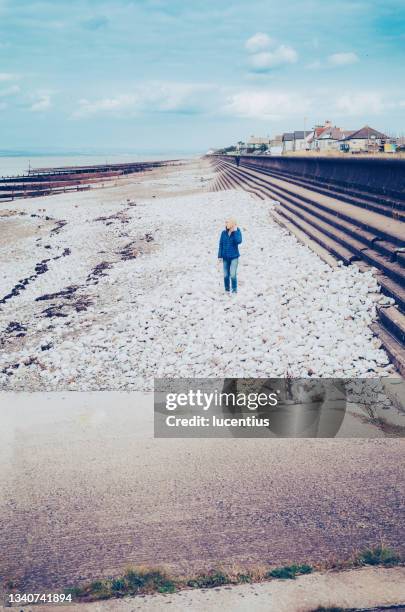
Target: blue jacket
pixel 228 244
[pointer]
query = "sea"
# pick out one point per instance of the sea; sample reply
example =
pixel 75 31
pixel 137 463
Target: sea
pixel 13 163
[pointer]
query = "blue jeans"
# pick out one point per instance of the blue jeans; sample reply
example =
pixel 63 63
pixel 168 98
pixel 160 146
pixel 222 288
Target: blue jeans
pixel 230 269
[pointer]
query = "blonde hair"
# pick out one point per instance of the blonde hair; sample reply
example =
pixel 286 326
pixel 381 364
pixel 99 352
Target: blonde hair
pixel 231 220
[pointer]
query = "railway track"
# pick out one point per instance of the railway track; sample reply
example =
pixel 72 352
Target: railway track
pixel 354 224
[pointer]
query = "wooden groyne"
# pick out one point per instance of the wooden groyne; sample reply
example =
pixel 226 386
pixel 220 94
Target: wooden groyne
pixel 49 181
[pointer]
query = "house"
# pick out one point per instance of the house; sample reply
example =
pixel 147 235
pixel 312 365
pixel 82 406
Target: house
pixel 330 138
pixel 241 148
pixel 294 141
pixel 256 143
pixel 313 136
pixel 400 142
pixel 366 139
pixel 300 140
pixel 288 142
pixel 276 145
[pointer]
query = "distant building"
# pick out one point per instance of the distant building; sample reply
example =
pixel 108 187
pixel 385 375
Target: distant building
pixel 300 140
pixel 295 141
pixel 276 145
pixel 400 142
pixel 366 139
pixel 258 142
pixel 329 139
pixel 288 142
pixel 314 135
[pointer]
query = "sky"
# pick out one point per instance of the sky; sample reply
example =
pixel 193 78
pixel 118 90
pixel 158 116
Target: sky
pixel 188 75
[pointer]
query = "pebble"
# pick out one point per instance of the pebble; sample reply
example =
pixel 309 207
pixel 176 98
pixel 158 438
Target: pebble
pixel 165 313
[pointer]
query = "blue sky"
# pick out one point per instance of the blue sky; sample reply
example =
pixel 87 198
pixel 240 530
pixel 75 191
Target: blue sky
pixel 156 75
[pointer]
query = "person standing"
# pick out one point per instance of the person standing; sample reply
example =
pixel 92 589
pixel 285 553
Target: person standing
pixel 228 251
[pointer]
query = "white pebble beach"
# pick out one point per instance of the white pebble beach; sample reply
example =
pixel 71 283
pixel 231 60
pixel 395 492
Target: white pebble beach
pixel 146 295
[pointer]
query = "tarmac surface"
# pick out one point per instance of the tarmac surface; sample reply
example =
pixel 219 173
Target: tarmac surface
pixel 87 491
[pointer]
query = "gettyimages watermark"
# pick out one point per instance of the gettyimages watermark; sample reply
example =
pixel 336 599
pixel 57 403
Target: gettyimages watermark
pixel 275 408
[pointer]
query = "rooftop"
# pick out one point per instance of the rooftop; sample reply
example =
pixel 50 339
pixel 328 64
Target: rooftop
pixel 365 133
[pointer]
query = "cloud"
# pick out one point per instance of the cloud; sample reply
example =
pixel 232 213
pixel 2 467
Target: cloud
pixel 7 76
pixel 3 106
pixel 42 103
pixel 335 60
pixel 152 97
pixel 258 42
pixel 343 59
pixel 265 53
pixel 266 60
pixel 265 104
pixel 9 91
pixel 359 103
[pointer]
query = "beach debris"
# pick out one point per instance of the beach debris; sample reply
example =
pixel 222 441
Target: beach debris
pixel 64 293
pixel 54 311
pixel 99 270
pixel 58 226
pixel 15 326
pixel 129 251
pixel 119 216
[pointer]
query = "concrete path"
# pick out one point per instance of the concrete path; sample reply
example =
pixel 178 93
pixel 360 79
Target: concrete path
pixel 87 491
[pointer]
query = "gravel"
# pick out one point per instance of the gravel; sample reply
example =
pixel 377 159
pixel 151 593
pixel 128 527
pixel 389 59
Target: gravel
pixel 132 291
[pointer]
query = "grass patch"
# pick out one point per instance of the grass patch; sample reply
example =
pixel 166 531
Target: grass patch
pixel 290 572
pixel 209 581
pixel 378 555
pixel 135 581
pixel 143 580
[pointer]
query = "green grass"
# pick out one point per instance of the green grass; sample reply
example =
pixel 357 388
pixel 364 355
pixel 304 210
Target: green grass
pixel 133 582
pixel 140 581
pixel 378 555
pixel 143 580
pixel 208 581
pixel 289 572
